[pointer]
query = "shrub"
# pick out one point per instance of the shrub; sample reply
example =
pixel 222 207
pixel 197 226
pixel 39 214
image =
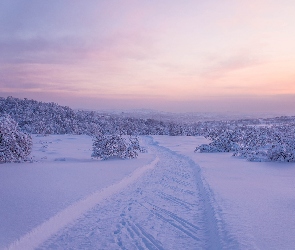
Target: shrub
pixel 115 146
pixel 225 142
pixel 274 143
pixel 14 145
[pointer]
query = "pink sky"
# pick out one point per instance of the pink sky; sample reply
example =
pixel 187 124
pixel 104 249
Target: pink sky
pixel 167 55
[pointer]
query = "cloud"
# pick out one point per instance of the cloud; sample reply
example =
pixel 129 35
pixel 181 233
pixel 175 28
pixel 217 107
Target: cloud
pixel 72 50
pixel 34 50
pixel 36 77
pixel 113 48
pixel 221 67
pixel 71 31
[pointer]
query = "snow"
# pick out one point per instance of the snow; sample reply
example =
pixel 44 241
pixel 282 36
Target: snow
pixel 168 208
pixel 168 198
pixel 73 212
pixel 257 198
pixel 63 173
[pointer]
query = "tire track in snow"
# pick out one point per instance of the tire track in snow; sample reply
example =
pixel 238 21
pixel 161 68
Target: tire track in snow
pixel 209 214
pixel 142 239
pixel 179 223
pixel 41 233
pixel 162 210
pixel 171 207
pixel 218 236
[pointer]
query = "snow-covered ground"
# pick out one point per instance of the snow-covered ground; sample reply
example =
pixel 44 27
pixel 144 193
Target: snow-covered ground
pixel 168 198
pixel 255 199
pixel 62 173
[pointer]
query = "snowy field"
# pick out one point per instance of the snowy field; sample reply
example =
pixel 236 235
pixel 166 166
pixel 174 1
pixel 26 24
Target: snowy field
pixel 62 173
pixel 168 198
pixel 255 200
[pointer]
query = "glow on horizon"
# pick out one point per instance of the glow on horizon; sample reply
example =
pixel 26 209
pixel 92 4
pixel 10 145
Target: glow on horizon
pixel 168 55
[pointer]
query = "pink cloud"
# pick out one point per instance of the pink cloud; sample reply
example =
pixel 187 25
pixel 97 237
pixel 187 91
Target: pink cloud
pixel 222 67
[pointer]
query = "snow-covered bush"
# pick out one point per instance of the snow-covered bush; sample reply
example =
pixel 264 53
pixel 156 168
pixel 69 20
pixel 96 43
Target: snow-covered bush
pixel 14 145
pixel 115 146
pixel 134 143
pixel 281 152
pixel 254 143
pixel 225 142
pixel 206 148
pixel 258 155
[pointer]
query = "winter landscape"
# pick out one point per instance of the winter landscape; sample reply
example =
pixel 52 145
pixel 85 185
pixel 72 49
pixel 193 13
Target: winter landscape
pixel 140 125
pixel 130 183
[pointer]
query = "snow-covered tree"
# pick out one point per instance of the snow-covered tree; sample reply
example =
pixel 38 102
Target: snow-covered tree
pixel 254 143
pixel 14 145
pixel 225 142
pixel 115 146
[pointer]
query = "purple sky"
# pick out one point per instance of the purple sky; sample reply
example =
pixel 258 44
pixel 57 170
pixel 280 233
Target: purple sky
pixel 168 55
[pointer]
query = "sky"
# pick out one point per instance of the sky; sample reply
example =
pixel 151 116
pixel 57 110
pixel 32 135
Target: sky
pixel 170 55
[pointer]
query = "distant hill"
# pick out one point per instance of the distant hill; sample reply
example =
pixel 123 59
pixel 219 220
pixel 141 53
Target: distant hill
pixel 186 117
pixel 51 118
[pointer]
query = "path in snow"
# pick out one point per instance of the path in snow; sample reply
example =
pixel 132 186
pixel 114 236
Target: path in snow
pixel 34 238
pixel 170 207
pixel 32 193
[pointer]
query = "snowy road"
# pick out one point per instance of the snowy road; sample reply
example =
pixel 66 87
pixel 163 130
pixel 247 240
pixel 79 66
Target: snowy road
pixel 170 207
